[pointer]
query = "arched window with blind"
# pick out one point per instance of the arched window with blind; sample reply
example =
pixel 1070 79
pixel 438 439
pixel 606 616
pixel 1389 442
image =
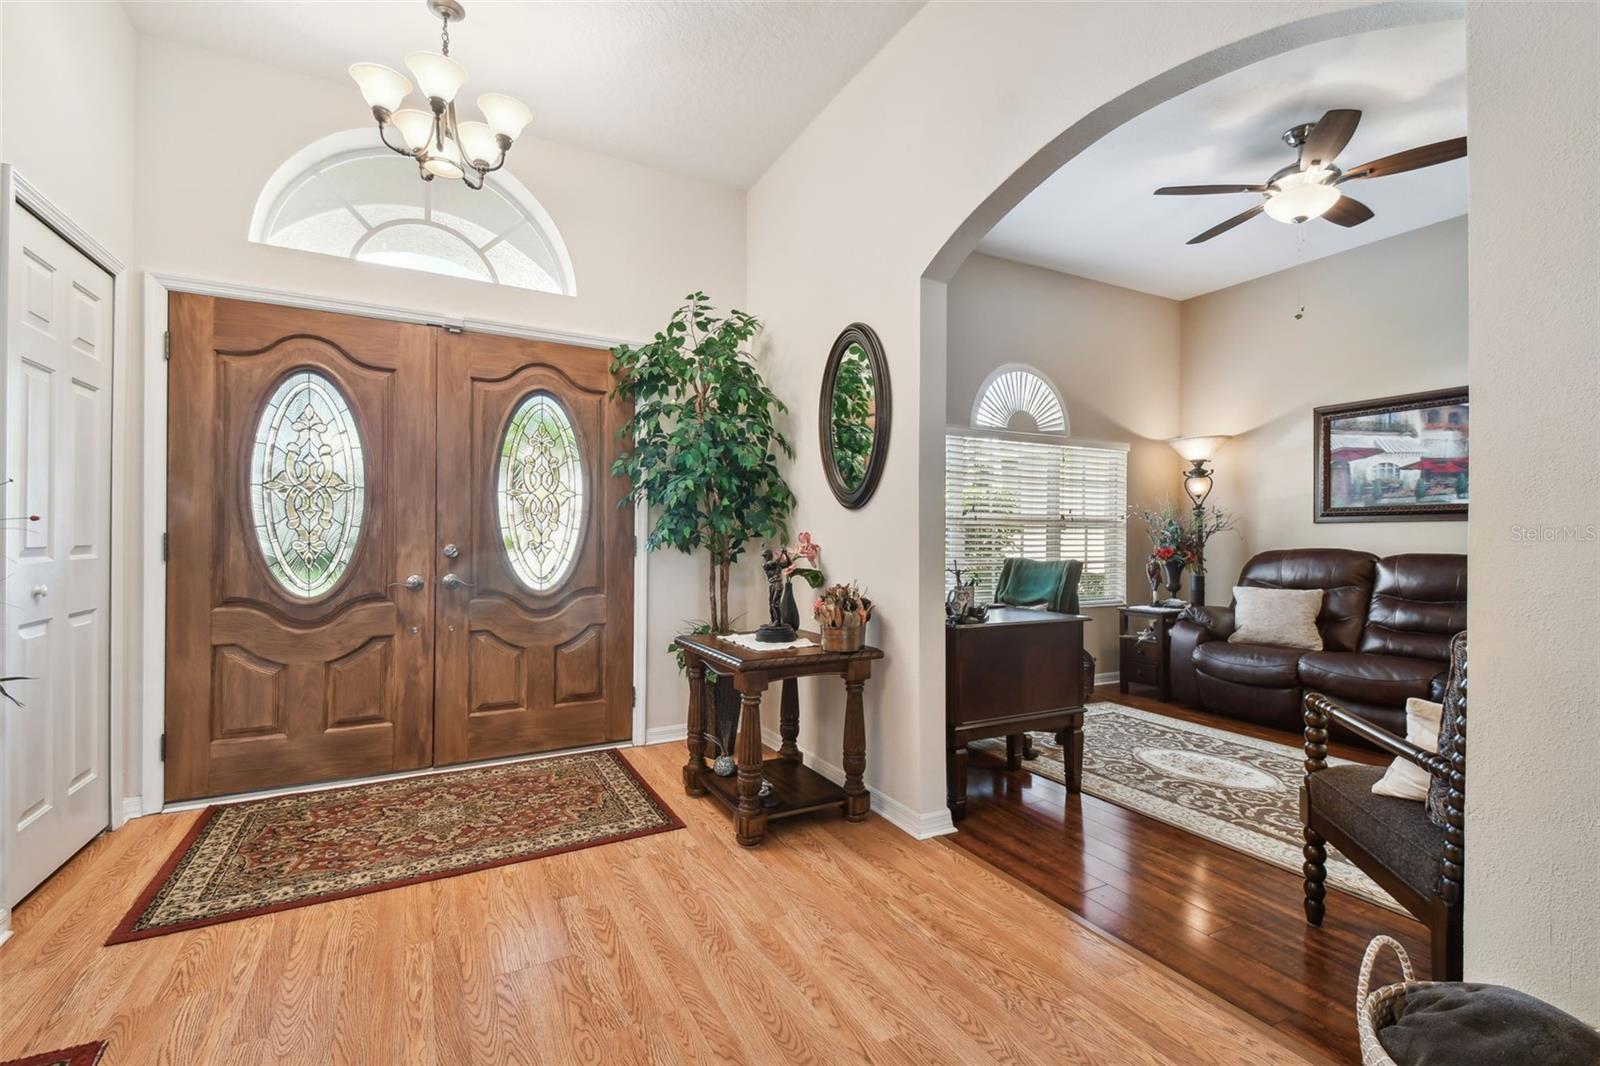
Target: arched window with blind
pixel 1018 484
pixel 349 197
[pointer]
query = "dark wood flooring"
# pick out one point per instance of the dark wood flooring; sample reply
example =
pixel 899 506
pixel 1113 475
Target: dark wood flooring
pixel 1231 923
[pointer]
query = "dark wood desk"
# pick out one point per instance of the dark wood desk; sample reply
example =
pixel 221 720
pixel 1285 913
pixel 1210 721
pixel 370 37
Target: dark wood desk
pixel 1020 670
pixel 797 787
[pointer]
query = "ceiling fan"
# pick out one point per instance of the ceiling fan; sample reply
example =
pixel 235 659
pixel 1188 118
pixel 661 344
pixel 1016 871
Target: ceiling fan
pixel 1309 187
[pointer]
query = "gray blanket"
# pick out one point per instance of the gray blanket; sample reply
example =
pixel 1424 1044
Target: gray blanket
pixel 1486 1025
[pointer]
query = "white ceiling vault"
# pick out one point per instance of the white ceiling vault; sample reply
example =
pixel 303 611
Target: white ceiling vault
pixel 1097 218
pixel 714 89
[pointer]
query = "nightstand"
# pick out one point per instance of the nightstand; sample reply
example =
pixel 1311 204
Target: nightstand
pixel 1145 661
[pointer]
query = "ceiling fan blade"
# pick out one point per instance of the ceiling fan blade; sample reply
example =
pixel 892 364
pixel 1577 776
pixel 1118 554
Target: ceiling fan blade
pixel 1223 227
pixel 1348 212
pixel 1328 137
pixel 1411 159
pixel 1206 190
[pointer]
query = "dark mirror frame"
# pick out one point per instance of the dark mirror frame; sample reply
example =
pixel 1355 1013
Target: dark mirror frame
pixel 857 333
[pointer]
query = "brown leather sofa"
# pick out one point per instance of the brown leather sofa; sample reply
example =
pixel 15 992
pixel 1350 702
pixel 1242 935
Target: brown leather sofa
pixel 1386 625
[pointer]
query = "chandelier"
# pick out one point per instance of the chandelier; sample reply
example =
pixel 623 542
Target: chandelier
pixel 442 147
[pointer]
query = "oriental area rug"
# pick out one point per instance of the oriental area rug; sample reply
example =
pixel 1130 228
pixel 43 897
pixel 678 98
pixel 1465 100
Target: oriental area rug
pixel 1239 791
pixel 272 854
pixel 82 1055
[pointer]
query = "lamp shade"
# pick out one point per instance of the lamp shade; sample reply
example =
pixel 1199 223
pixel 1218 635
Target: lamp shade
pixel 1197 449
pixel 478 144
pixel 1302 196
pixel 445 164
pixel 438 76
pixel 415 126
pixel 506 115
pixel 380 86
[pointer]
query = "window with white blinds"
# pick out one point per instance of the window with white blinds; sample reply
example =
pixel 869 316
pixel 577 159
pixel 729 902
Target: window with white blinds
pixel 1010 496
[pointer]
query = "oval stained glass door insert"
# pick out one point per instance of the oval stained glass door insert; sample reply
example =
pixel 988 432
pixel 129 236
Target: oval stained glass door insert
pixel 540 492
pixel 307 484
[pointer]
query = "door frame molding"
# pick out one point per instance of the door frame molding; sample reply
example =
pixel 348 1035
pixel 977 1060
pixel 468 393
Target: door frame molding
pixel 16 192
pixel 153 504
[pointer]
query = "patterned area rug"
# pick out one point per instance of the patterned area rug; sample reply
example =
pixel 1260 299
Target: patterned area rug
pixel 82 1055
pixel 1232 789
pixel 292 851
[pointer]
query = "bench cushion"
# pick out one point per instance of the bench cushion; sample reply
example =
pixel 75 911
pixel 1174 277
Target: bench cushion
pixel 1395 832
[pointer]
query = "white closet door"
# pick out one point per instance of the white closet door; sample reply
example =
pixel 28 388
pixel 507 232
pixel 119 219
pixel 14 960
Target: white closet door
pixel 58 574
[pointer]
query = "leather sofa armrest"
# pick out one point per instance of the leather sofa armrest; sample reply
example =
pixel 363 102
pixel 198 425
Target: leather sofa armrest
pixel 1219 620
pixel 1188 634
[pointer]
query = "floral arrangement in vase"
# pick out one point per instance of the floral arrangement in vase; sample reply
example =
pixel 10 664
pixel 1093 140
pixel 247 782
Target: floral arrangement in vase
pixel 841 612
pixel 1177 543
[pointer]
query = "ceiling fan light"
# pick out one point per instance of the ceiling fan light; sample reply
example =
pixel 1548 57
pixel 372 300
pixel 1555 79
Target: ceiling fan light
pixel 506 115
pixel 438 76
pixel 416 127
pixel 380 86
pixel 1301 202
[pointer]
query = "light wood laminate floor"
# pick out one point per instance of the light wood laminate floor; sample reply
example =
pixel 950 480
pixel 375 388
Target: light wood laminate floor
pixel 832 943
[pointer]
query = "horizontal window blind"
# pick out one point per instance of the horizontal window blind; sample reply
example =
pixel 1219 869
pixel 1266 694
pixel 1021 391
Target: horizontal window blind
pixel 1014 497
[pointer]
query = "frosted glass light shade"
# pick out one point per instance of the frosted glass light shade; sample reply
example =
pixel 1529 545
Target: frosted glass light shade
pixel 1301 202
pixel 506 115
pixel 438 76
pixel 416 127
pixel 478 143
pixel 380 86
pixel 445 164
pixel 1198 449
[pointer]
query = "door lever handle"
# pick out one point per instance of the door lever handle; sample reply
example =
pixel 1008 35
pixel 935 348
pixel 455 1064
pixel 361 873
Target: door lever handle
pixel 414 582
pixel 451 581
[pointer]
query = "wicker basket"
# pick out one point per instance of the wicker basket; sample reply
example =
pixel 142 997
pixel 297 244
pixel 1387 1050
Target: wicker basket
pixel 1377 1009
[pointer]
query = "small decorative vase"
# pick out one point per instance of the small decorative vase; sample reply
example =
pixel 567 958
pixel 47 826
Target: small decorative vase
pixel 843 638
pixel 1197 589
pixel 1174 569
pixel 789 611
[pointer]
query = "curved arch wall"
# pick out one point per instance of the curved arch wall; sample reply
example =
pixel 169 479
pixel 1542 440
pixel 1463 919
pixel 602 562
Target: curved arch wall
pixel 973 100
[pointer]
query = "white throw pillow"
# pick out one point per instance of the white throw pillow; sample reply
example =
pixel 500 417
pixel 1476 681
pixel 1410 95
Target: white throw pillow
pixel 1404 779
pixel 1285 617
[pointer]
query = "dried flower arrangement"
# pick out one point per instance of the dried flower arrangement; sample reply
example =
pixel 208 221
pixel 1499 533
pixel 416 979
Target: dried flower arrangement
pixel 842 607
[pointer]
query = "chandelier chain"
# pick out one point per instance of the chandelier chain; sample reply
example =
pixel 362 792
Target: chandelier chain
pixel 444 36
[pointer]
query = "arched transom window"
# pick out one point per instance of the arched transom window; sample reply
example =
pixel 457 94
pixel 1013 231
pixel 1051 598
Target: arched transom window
pixel 364 203
pixel 1019 398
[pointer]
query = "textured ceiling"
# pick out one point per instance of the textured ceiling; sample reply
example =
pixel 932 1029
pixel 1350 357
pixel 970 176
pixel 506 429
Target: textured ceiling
pixel 711 89
pixel 1096 217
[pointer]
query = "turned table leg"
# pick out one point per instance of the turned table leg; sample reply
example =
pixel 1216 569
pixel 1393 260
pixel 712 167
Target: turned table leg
pixel 856 800
pixel 750 823
pixel 789 720
pixel 696 765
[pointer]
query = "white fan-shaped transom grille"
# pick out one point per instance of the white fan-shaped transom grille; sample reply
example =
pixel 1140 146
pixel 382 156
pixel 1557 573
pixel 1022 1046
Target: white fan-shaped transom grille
pixel 1020 400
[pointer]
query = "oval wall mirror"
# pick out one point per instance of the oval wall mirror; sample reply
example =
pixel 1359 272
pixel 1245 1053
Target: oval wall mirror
pixel 854 415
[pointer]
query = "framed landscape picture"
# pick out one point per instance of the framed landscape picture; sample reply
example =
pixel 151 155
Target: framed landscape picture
pixel 1396 459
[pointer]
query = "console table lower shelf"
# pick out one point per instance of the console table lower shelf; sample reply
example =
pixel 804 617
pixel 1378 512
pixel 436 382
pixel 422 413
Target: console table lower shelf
pixel 797 788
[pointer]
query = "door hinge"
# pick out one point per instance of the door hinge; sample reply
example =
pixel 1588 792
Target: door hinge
pixel 163 547
pixel 163 747
pixel 166 344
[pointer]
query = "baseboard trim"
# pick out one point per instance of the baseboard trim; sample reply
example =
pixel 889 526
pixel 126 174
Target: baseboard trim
pixel 919 825
pixel 5 925
pixel 1108 679
pixel 666 734
pixel 132 807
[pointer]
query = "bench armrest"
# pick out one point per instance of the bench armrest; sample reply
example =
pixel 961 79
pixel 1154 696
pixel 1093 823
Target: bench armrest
pixel 1320 710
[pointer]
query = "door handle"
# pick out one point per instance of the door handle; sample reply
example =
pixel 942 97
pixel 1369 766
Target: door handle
pixel 414 582
pixel 451 581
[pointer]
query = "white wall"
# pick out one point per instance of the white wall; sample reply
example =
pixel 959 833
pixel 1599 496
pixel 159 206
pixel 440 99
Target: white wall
pixel 1533 807
pixel 1380 320
pixel 68 72
pixel 961 115
pixel 1113 355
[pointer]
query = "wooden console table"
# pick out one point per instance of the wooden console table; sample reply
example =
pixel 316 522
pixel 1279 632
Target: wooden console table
pixel 1019 670
pixel 797 787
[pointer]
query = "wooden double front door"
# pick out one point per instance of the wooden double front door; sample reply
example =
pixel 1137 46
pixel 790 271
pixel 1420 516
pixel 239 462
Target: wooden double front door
pixel 389 546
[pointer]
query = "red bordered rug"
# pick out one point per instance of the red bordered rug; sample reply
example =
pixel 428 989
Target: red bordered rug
pixel 269 855
pixel 82 1055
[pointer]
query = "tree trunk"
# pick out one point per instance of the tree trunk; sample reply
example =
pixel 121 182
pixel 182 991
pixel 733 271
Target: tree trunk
pixel 711 595
pixel 723 592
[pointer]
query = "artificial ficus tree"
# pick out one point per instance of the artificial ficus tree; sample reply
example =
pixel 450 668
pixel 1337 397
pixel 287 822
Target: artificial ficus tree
pixel 702 447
